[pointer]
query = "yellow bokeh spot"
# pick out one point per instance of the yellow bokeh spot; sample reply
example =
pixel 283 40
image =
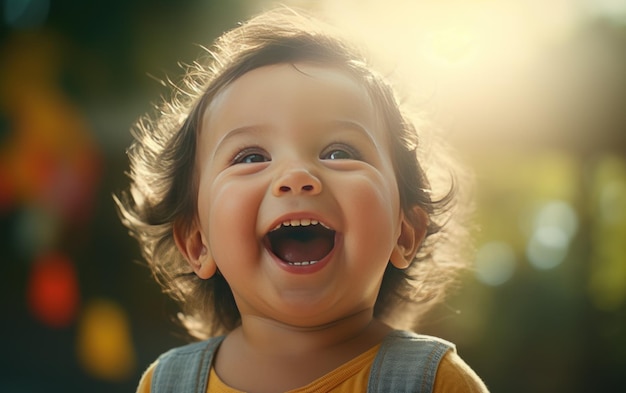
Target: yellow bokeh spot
pixel 105 349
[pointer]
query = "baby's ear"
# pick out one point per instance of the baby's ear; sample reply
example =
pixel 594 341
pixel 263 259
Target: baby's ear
pixel 192 245
pixel 413 227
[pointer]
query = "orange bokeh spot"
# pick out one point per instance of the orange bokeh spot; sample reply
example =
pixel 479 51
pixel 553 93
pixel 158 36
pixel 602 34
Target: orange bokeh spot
pixel 53 290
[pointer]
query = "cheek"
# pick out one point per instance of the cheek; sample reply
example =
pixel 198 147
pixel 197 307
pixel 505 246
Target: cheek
pixel 228 211
pixel 376 195
pixel 374 211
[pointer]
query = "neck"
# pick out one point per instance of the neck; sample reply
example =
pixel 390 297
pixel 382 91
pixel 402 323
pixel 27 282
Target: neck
pixel 269 336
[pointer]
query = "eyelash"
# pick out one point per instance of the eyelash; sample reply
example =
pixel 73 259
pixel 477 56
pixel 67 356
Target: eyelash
pixel 247 152
pixel 353 153
pixel 241 155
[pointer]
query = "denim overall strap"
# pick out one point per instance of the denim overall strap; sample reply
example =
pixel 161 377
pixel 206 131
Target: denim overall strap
pixel 185 369
pixel 407 362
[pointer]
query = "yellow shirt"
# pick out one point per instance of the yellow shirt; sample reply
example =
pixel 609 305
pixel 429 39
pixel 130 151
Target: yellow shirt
pixel 453 375
pixel 349 377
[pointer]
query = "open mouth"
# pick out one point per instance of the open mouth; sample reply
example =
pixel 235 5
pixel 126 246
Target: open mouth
pixel 301 242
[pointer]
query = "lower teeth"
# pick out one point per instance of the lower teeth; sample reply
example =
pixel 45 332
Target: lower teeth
pixel 305 263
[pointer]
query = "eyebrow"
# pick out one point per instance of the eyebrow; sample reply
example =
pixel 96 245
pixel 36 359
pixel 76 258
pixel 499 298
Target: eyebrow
pixel 237 131
pixel 351 124
pixel 334 123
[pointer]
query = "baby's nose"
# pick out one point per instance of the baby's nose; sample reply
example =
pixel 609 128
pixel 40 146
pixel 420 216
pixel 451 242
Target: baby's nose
pixel 297 181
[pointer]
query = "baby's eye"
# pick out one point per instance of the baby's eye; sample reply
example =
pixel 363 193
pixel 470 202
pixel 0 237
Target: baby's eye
pixel 250 156
pixel 340 153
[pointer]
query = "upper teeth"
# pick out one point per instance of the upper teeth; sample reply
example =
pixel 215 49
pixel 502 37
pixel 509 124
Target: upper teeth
pixel 300 222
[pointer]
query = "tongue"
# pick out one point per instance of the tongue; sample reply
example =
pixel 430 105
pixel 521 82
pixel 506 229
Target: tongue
pixel 296 250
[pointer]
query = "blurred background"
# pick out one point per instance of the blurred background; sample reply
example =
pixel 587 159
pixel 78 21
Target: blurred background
pixel 532 95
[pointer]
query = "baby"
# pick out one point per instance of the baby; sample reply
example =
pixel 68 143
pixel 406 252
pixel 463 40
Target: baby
pixel 281 202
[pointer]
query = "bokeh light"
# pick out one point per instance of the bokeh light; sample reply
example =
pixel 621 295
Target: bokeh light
pixel 53 295
pixel 104 343
pixel 555 225
pixel 547 247
pixel 495 263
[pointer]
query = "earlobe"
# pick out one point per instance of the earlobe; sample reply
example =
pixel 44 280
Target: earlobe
pixel 192 246
pixel 412 233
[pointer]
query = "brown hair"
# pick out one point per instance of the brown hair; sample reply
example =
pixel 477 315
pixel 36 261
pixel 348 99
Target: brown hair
pixel 163 187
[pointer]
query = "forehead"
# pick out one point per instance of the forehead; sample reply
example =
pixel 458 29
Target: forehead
pixel 291 93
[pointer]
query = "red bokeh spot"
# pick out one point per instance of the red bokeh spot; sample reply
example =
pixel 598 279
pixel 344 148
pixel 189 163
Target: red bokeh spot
pixel 53 290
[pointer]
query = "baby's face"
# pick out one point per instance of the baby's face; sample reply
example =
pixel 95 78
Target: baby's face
pixel 297 201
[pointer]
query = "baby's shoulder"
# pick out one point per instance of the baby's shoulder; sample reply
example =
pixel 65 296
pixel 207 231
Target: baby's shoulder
pixel 146 379
pixel 455 375
pixel 180 366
